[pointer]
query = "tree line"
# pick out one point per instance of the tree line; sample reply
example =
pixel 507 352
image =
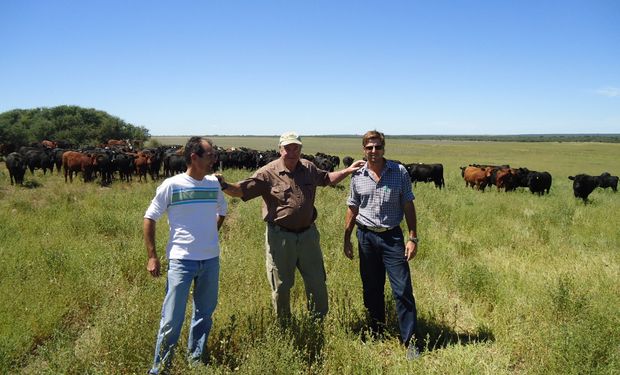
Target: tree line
pixel 72 124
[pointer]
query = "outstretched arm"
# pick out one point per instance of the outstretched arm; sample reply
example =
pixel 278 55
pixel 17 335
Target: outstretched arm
pixel 234 190
pixel 337 176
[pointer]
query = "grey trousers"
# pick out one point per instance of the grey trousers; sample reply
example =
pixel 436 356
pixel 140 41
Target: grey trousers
pixel 287 251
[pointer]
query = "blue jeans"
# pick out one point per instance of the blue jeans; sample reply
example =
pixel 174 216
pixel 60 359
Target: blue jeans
pixel 181 274
pixel 381 252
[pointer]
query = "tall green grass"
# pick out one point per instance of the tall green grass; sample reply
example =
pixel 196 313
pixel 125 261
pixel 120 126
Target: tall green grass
pixel 504 282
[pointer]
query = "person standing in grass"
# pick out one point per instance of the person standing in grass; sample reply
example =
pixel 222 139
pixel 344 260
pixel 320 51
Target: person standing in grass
pixel 380 195
pixel 196 209
pixel 288 186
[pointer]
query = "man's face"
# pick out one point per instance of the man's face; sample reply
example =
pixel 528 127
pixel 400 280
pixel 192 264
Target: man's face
pixel 291 152
pixel 208 158
pixel 373 150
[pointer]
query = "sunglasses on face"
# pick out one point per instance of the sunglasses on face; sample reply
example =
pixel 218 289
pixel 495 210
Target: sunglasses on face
pixel 378 147
pixel 207 154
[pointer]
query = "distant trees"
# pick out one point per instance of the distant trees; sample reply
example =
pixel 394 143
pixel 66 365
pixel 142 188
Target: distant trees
pixel 75 125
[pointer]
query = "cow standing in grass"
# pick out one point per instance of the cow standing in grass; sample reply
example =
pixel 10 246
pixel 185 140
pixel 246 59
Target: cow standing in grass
pixel 475 176
pixel 16 164
pixel 606 180
pixel 583 185
pixel 74 162
pixel 539 182
pixel 419 172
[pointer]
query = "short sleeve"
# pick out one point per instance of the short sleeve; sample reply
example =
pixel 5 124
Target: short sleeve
pixel 354 197
pixel 255 186
pixel 160 202
pixel 407 194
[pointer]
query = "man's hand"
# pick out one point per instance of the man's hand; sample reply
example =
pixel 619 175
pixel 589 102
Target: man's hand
pixel 154 267
pixel 348 249
pixel 356 165
pixel 411 249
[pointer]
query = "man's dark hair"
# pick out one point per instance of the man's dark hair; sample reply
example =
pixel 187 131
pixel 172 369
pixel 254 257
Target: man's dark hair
pixel 194 145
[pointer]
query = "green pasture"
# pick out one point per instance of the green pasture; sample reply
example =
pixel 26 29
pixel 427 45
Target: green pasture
pixel 561 159
pixel 504 282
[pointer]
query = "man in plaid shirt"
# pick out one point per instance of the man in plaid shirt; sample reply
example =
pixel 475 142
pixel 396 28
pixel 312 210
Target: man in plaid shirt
pixel 380 196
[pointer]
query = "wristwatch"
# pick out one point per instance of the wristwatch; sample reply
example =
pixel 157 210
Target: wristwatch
pixel 414 240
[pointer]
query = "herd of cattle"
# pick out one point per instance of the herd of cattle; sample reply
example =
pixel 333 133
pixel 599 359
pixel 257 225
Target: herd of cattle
pixel 504 177
pixel 118 160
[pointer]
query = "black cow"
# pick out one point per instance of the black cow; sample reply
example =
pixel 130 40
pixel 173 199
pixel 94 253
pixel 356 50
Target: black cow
pixel 123 163
pixel 265 157
pixel 324 163
pixel 334 161
pixel 539 182
pixel 7 148
pixel 174 164
pixel 583 185
pixel 16 164
pixel 56 155
pixel 155 162
pixel 347 161
pixel 104 166
pixel 419 172
pixel 606 180
pixel 39 159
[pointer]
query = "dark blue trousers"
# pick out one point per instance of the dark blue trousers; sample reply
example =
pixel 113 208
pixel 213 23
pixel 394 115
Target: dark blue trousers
pixel 380 253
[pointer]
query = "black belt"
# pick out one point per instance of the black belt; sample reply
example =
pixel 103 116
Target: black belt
pixel 297 231
pixel 375 229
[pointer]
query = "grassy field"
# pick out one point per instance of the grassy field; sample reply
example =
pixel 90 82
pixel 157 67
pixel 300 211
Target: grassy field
pixel 504 283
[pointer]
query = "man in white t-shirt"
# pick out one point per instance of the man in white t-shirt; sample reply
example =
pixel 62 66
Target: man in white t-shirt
pixel 196 210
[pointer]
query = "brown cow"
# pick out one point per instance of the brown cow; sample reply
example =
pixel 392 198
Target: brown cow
pixel 120 145
pixel 117 142
pixel 141 163
pixel 49 144
pixel 475 176
pixel 73 161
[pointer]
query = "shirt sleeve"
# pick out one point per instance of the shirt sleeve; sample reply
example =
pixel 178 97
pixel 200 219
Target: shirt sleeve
pixel 407 194
pixel 354 198
pixel 222 205
pixel 321 177
pixel 160 202
pixel 254 186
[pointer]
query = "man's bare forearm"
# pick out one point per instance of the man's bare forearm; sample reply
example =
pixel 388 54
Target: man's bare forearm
pixel 410 217
pixel 349 222
pixel 149 237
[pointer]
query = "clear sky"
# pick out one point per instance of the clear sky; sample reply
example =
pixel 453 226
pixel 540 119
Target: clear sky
pixel 320 66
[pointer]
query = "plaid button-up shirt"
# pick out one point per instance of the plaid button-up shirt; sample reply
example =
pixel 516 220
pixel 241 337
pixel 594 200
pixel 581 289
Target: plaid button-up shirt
pixel 380 203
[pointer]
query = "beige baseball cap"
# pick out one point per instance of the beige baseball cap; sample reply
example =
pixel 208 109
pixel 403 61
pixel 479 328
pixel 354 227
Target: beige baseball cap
pixel 288 138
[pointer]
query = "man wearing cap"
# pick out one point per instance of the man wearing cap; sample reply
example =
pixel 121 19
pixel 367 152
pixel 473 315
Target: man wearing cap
pixel 380 195
pixel 288 186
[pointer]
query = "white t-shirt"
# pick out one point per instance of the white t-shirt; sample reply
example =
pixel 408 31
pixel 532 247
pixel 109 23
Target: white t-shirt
pixel 193 207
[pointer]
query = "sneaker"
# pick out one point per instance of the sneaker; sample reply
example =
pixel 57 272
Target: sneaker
pixel 412 352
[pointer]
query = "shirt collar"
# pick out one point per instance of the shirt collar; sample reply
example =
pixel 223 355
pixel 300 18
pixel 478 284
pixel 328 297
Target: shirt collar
pixel 281 168
pixel 388 165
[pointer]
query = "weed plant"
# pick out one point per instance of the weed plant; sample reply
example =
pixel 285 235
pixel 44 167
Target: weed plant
pixel 504 282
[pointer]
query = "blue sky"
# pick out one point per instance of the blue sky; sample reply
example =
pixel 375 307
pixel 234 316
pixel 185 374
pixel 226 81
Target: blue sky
pixel 320 67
